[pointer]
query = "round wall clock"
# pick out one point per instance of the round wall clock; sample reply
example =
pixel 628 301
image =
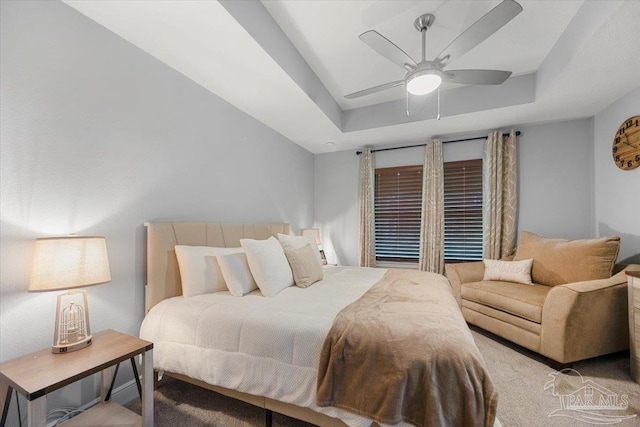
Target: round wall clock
pixel 626 144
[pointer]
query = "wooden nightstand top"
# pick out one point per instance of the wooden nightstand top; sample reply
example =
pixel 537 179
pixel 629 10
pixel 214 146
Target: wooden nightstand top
pixel 633 273
pixel 42 372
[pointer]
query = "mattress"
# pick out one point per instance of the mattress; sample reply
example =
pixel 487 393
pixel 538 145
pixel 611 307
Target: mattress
pixel 262 346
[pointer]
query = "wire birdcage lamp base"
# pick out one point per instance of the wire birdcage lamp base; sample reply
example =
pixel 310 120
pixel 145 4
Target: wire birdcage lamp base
pixel 72 331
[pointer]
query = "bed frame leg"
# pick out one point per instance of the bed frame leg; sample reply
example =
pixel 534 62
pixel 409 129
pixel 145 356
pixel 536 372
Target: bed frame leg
pixel 268 417
pixel 156 380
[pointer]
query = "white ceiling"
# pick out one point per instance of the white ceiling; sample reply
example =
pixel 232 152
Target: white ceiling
pixel 326 34
pixel 290 65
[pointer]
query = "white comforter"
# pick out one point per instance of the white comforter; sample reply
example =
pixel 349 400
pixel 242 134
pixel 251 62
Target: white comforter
pixel 258 345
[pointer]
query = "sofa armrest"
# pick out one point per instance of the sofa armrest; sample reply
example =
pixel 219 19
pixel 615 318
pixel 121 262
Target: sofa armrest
pixel 586 319
pixel 596 285
pixel 463 272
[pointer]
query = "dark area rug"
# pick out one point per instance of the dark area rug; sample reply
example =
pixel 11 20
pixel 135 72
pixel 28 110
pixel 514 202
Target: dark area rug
pixel 181 404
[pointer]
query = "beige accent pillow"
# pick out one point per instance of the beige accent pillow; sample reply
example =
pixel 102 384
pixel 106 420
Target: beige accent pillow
pixel 236 273
pixel 295 242
pixel 199 269
pixel 268 264
pixel 561 261
pixel 508 271
pixel 305 266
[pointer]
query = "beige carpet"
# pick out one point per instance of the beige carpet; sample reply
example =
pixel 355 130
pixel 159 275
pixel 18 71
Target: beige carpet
pixel 518 375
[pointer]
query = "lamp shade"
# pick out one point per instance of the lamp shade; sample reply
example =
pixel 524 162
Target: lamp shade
pixel 313 232
pixel 69 262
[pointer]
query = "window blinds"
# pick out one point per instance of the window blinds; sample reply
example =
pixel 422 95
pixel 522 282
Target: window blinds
pixel 463 210
pixel 398 204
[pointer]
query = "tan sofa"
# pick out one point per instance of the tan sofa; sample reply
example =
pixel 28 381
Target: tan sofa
pixel 561 318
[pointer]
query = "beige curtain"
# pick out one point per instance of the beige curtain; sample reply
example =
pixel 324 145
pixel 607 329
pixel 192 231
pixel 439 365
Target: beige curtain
pixel 367 230
pixel 499 195
pixel 432 223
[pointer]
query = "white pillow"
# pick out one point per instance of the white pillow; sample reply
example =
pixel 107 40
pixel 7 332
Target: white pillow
pixel 508 271
pixel 268 264
pixel 236 273
pixel 296 242
pixel 199 269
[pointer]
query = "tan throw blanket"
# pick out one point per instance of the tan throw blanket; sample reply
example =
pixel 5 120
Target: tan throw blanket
pixel 403 352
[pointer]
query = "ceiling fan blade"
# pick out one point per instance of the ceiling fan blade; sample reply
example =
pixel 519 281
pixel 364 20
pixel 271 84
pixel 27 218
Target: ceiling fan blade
pixel 491 22
pixel 386 48
pixel 374 89
pixel 476 77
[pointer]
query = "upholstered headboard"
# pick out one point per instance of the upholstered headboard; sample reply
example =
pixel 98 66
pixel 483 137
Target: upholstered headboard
pixel 163 275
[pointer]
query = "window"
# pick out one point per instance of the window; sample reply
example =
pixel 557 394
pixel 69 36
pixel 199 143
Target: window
pixel 463 210
pixel 398 205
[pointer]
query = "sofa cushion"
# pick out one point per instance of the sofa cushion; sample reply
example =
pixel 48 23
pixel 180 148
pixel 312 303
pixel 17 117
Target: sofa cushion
pixel 561 261
pixel 502 316
pixel 521 300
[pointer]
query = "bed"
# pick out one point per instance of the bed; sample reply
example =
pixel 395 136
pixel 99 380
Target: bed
pixel 266 351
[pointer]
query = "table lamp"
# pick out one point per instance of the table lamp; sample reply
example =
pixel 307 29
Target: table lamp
pixel 315 233
pixel 69 263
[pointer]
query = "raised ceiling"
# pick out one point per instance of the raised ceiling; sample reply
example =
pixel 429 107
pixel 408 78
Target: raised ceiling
pixel 290 63
pixel 326 33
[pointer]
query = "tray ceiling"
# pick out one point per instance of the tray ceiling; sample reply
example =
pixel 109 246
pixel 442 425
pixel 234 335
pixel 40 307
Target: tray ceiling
pixel 290 63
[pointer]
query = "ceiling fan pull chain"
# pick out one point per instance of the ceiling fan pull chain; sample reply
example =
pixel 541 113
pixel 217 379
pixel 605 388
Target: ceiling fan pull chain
pixel 408 114
pixel 438 116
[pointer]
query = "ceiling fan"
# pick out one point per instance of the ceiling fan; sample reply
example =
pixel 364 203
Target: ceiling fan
pixel 426 76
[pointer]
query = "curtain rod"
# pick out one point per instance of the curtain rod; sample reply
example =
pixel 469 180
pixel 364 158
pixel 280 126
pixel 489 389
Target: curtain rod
pixel 422 145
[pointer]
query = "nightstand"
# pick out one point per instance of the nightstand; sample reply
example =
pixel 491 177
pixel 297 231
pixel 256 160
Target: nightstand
pixel 634 323
pixel 37 374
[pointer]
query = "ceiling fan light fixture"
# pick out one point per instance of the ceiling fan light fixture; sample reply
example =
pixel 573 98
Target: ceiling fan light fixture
pixel 424 81
pixel 426 76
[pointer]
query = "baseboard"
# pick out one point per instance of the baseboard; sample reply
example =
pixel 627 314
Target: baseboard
pixel 125 393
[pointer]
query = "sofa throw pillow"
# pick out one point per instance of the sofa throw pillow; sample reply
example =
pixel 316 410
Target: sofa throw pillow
pixel 508 271
pixel 295 242
pixel 199 269
pixel 304 265
pixel 236 273
pixel 561 261
pixel 268 264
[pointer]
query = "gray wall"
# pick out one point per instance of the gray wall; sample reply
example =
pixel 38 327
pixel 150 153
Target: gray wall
pixel 617 192
pixel 336 205
pixel 555 175
pixel 555 191
pixel 99 137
